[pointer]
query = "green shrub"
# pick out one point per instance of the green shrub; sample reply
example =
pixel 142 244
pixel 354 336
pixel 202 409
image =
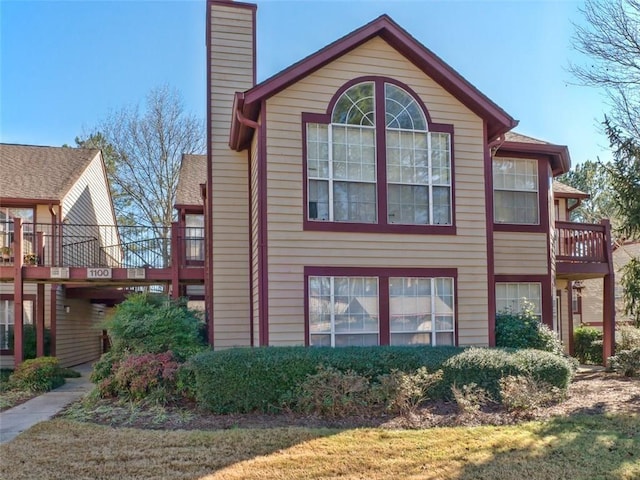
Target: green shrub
pixel 469 398
pixel 147 323
pixel 103 368
pixel 485 367
pixel 38 375
pixel 627 337
pixel 626 362
pixel 150 377
pixel 263 379
pixel 524 330
pixel 587 345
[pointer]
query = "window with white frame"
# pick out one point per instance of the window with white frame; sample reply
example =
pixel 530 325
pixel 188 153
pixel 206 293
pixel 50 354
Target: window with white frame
pixel 342 162
pixel 345 311
pixel 513 297
pixel 421 311
pixel 194 237
pixel 515 191
pixel 7 321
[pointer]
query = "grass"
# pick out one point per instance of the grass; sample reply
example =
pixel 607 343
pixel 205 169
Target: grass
pixel 581 447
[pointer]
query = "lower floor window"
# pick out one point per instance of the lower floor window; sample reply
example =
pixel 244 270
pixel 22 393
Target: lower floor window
pixel 347 310
pixel 515 297
pixel 7 321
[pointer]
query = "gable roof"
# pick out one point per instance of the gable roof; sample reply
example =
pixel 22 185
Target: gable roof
pixel 247 104
pixel 34 172
pixel 563 190
pixel 193 172
pixel 558 154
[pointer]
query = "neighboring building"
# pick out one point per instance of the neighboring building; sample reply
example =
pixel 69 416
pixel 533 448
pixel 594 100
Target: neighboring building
pixel 369 194
pixel 48 188
pixel 589 292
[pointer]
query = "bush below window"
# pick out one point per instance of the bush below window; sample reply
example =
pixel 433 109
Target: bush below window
pixel 37 375
pixel 524 330
pixel 266 379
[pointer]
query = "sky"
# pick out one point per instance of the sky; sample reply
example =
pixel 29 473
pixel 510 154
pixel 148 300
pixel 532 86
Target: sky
pixel 65 65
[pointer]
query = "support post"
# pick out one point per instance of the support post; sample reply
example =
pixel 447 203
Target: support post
pixel 18 317
pixel 608 300
pixel 570 295
pixel 175 261
pixel 40 321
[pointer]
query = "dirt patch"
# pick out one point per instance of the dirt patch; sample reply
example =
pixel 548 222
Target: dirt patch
pixel 590 393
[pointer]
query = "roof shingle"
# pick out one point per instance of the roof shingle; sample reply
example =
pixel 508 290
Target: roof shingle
pixel 41 173
pixel 193 172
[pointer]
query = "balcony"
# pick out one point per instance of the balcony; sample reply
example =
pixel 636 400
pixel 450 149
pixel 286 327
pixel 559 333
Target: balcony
pixel 583 250
pixel 125 253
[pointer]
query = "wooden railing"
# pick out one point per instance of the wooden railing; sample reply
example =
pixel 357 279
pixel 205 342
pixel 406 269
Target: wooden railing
pixel 582 242
pixel 75 245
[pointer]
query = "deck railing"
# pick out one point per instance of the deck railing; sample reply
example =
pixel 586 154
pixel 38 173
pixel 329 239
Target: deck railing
pixel 581 242
pixel 84 245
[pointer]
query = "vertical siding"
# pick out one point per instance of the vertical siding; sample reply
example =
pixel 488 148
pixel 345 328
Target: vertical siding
pixel 290 248
pixel 519 253
pixel 79 331
pixel 231 51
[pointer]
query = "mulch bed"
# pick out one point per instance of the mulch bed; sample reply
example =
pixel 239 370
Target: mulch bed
pixel 590 393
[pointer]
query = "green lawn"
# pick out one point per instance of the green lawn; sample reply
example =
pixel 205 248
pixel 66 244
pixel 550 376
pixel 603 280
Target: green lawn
pixel 583 447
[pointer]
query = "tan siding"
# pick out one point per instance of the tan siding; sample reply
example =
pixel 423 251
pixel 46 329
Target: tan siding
pixel 520 253
pixel 78 332
pixel 88 203
pixel 231 71
pixel 291 248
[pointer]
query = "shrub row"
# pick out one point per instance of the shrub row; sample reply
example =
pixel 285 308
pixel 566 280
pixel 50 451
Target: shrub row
pixel 38 375
pixel 250 379
pixel 265 379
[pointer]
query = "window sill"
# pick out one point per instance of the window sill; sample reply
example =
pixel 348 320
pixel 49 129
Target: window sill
pixel 515 227
pixel 379 228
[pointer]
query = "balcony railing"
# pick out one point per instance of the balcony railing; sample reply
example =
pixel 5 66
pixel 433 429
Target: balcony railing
pixel 76 245
pixel 582 242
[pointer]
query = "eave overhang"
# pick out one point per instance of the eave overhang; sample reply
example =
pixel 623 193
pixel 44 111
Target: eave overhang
pixel 558 154
pixel 247 104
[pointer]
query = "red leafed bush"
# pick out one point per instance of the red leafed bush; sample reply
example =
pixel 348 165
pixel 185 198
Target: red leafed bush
pixel 151 377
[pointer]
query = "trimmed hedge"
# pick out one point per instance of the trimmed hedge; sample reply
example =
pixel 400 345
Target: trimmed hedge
pixel 263 379
pixel 486 366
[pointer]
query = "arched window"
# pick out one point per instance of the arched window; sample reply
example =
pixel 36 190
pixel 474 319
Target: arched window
pixel 378 128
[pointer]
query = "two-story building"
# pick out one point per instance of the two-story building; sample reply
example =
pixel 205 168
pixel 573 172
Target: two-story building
pixel 369 194
pixel 51 189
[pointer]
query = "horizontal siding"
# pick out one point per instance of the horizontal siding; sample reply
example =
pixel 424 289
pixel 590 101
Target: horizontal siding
pixel 231 52
pixel 78 332
pixel 520 253
pixel 291 248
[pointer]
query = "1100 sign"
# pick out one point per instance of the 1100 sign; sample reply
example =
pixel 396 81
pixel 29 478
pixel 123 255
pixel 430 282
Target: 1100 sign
pixel 98 273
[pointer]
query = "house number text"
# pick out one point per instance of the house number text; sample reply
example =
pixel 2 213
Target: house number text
pixel 98 273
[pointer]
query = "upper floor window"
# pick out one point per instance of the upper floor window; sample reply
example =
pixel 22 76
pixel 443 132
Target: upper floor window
pixel 515 191
pixel 377 162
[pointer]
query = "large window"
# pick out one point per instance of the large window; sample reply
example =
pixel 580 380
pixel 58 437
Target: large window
pixel 194 237
pixel 421 311
pixel 514 297
pixel 7 321
pixel 347 310
pixel 515 191
pixel 346 156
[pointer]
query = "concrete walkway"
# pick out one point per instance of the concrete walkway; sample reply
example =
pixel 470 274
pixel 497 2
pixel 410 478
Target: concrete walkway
pixel 19 418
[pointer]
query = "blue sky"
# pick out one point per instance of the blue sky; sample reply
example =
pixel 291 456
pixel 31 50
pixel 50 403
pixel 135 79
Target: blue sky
pixel 65 65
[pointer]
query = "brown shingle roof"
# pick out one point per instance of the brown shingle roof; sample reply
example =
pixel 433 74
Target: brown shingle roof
pixel 193 172
pixel 36 172
pixel 562 190
pixel 518 137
